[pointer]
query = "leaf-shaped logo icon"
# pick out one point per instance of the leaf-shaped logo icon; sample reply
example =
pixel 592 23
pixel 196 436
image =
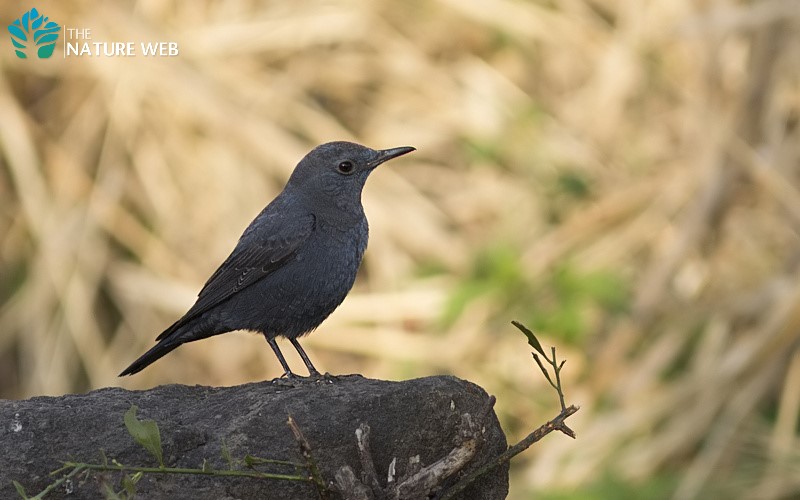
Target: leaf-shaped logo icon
pixel 34 27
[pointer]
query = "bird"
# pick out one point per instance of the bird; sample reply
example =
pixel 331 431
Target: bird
pixel 294 264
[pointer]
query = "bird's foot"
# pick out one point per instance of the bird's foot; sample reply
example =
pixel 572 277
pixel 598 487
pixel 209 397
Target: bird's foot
pixel 284 382
pixel 291 379
pixel 329 378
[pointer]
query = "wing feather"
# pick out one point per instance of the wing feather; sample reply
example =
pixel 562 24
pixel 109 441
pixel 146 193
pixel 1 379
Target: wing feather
pixel 264 247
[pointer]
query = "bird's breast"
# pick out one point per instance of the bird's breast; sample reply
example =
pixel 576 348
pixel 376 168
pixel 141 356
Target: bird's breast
pixel 299 295
pixel 338 248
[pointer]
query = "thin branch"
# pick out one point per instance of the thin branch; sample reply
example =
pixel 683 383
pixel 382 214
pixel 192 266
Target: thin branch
pixel 250 461
pixel 427 478
pixel 190 471
pixel 350 487
pixel 553 425
pixel 541 367
pixel 77 470
pixel 367 465
pixel 305 450
pixel 557 368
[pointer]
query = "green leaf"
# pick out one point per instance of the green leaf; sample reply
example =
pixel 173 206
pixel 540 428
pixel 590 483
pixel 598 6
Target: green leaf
pixel 206 467
pixel 129 483
pixel 109 493
pixel 146 433
pixel 226 454
pixel 20 490
pixel 532 340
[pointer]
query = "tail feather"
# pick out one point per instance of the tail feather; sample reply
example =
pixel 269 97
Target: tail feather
pixel 156 352
pixel 168 342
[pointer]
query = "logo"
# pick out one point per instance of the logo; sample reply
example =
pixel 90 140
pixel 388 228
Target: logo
pixel 34 30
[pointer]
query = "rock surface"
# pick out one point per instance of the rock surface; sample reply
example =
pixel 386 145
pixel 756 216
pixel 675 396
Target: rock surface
pixel 415 417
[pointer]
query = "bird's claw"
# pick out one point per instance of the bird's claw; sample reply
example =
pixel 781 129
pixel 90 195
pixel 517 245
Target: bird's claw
pixel 291 379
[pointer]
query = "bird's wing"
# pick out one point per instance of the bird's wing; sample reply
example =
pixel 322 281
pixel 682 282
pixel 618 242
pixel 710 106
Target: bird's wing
pixel 263 248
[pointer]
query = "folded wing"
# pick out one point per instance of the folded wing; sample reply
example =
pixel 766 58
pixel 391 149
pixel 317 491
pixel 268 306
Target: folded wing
pixel 266 245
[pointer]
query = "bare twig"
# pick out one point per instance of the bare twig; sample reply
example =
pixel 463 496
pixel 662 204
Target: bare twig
pixel 350 487
pixel 537 346
pixel 428 478
pixel 417 481
pixel 305 451
pixel 555 424
pixel 370 477
pixel 413 466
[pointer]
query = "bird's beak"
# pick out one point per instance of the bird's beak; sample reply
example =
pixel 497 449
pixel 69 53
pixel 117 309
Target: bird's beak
pixel 385 155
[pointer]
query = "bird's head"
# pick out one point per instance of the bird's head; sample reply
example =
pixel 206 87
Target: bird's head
pixel 334 173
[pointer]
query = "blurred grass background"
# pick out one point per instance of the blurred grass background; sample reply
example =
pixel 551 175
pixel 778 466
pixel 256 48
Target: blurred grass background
pixel 621 176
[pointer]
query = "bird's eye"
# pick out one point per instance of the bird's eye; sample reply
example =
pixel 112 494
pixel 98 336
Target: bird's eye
pixel 346 167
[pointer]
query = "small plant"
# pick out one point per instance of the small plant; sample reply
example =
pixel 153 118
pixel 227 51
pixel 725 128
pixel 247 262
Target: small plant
pixel 147 434
pixel 556 424
pixel 534 342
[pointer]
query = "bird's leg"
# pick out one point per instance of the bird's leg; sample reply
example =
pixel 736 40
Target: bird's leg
pixel 311 370
pixel 286 371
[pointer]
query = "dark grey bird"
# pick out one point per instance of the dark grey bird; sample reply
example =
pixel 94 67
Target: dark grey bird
pixel 294 264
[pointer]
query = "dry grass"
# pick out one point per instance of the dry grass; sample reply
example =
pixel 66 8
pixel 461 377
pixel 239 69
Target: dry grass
pixel 655 142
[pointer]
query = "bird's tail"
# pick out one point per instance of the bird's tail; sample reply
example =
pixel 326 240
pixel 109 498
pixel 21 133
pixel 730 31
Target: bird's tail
pixel 157 351
pixel 169 340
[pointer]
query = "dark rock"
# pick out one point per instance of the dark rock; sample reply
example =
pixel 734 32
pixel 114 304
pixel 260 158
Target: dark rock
pixel 416 417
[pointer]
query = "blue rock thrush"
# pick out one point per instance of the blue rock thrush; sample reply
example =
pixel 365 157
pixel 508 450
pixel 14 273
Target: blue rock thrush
pixel 294 264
